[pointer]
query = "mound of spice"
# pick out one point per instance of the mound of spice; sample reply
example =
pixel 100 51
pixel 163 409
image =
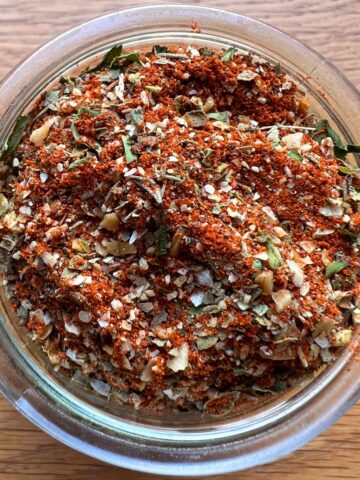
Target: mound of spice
pixel 178 231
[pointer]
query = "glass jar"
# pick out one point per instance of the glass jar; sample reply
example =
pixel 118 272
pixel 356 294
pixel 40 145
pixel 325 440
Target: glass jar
pixel 182 444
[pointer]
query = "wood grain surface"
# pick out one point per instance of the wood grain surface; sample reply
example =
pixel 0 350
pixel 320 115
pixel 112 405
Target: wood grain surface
pixel 330 27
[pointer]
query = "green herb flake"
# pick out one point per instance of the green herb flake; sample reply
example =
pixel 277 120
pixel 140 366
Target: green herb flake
pixel 195 310
pixel 222 167
pixel 279 386
pixel 159 49
pixel 209 104
pixel 80 245
pixel 120 249
pixel 294 155
pixel 108 59
pixel 111 75
pixel 78 162
pixel 206 52
pixel 324 130
pixel 130 58
pixel 15 137
pixel 74 131
pixel 221 125
pixel 334 267
pixel 220 116
pixel 229 54
pixel 348 170
pixel 89 111
pixel 153 88
pixel 262 321
pixel 222 177
pixel 275 259
pixel 347 233
pixel 68 81
pixel 135 116
pixel 178 103
pixel 130 157
pixel 77 263
pixel 67 273
pixel 340 152
pixel 115 56
pixel 207 153
pixel 351 148
pixel 82 140
pixel 204 343
pixel 258 264
pixel 175 178
pixel 197 192
pixel 260 309
pixel 278 69
pixel 162 239
pixel 51 98
pixel 240 371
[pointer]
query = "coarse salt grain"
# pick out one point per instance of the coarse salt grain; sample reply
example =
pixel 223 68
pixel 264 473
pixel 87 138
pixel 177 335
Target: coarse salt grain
pixel 209 189
pixel 25 210
pixel 43 177
pixel 116 305
pixel 85 316
pixel 197 299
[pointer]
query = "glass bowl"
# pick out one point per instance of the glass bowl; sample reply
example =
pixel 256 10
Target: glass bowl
pixel 182 444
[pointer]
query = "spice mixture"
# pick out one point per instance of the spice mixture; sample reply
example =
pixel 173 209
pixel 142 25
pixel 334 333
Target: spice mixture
pixel 179 231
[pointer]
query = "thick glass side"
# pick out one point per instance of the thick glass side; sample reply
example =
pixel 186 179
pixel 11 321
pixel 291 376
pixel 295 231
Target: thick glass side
pixel 169 443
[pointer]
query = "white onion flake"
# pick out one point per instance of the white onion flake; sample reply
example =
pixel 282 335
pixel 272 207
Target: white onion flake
pixel 204 278
pixel 266 281
pixel 71 328
pixel 100 387
pixel 181 360
pixel 298 274
pixel 38 136
pixel 196 299
pixel 293 140
pixel 49 258
pixel 282 299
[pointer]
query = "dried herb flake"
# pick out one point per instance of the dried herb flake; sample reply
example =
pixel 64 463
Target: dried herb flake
pixel 204 343
pixel 108 59
pixel 13 140
pixel 229 54
pixel 275 259
pixel 130 157
pixel 324 130
pixel 335 267
pixel 295 155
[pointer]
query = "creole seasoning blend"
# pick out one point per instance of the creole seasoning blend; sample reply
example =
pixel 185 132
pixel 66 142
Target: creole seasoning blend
pixel 179 231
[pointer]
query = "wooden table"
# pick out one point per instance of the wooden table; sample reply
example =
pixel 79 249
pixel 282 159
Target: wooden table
pixel 329 26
